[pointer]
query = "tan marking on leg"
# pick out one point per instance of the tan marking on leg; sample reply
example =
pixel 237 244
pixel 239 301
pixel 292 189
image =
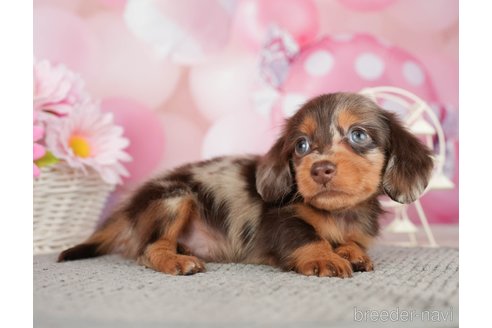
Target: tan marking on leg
pixel 162 255
pixel 319 259
pixel 356 256
pixel 362 239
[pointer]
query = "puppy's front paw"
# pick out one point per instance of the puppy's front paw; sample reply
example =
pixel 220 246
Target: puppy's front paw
pixel 318 259
pixel 175 264
pixel 330 265
pixel 356 256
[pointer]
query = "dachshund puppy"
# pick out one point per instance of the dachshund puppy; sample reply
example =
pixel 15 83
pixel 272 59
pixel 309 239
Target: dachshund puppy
pixel 309 205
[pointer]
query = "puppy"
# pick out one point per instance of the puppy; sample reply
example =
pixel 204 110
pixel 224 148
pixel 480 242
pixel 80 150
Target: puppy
pixel 309 205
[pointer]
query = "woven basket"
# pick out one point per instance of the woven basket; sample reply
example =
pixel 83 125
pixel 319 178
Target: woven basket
pixel 67 206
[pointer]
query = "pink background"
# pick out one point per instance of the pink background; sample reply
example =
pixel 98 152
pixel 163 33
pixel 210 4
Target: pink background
pixel 183 79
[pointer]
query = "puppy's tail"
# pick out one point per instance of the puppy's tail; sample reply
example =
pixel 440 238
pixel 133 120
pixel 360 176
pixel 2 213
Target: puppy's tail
pixel 103 241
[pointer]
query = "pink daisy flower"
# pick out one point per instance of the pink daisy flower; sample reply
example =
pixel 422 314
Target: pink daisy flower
pixel 56 89
pixel 88 139
pixel 38 150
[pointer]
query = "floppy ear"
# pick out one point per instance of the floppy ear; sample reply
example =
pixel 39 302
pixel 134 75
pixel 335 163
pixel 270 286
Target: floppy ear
pixel 409 165
pixel 273 177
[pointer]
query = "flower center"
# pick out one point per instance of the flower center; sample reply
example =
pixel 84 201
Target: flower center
pixel 80 146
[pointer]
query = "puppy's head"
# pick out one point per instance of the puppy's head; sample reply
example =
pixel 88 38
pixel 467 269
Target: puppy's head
pixel 341 149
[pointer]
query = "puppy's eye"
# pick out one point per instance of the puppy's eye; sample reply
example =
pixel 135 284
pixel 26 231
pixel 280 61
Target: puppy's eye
pixel 359 137
pixel 302 146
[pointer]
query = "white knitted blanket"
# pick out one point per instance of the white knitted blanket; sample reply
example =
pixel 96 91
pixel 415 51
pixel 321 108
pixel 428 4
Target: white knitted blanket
pixel 410 287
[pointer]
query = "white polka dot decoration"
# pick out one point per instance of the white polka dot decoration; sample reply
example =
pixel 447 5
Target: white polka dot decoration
pixel 354 62
pixel 319 63
pixel 413 73
pixel 369 66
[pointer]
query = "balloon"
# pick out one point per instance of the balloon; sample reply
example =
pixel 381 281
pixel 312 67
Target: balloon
pixel 126 66
pixel 245 133
pixel 145 132
pixel 183 140
pixel 224 85
pixel 366 5
pixel 179 29
pixel 444 73
pixel 117 4
pixel 337 19
pixel 71 5
pixel 298 17
pixel 285 106
pixel 332 65
pixel 62 37
pixel 423 15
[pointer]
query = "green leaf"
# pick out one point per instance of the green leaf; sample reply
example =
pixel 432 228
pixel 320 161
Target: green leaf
pixel 47 159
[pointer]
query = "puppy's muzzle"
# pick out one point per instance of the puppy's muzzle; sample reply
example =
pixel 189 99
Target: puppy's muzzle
pixel 323 171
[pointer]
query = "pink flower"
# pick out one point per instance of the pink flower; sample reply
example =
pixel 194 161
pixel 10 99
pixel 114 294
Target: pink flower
pixel 56 89
pixel 88 139
pixel 38 150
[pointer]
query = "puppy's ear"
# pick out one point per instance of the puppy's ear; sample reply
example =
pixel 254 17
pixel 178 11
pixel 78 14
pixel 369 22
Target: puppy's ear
pixel 273 177
pixel 409 165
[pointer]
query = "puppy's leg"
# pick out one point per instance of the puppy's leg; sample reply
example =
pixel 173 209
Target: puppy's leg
pixel 318 258
pixel 356 255
pixel 298 247
pixel 161 254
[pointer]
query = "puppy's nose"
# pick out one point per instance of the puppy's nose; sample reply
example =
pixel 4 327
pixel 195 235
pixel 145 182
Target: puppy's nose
pixel 323 171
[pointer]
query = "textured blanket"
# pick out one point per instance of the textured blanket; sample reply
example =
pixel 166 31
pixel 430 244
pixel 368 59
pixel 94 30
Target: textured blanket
pixel 410 287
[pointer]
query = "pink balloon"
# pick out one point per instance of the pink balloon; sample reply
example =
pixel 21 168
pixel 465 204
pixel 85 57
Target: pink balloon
pixel 179 29
pixel 444 72
pixel 145 132
pixel 298 17
pixel 285 106
pixel 224 85
pixel 127 66
pixel 72 5
pixel 366 5
pixel 62 37
pixel 117 4
pixel 351 64
pixel 235 134
pixel 337 19
pixel 426 16
pixel 183 140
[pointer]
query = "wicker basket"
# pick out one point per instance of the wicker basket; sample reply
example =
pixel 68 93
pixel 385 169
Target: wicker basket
pixel 67 206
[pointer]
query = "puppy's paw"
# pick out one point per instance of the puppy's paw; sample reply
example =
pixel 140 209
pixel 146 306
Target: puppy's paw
pixel 176 264
pixel 330 265
pixel 187 265
pixel 356 256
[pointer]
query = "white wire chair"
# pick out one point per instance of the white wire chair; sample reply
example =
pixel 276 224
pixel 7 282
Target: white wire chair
pixel 421 120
